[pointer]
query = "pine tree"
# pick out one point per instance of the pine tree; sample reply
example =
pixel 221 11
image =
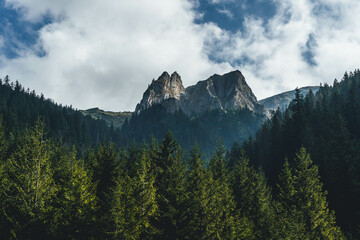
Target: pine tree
pixel 3 145
pixel 170 188
pixel 74 204
pixel 105 173
pixel 197 197
pixel 253 198
pixel 219 216
pixel 28 186
pixel 134 201
pixel 290 222
pixel 305 202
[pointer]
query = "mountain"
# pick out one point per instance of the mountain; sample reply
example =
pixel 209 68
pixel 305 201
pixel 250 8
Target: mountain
pixel 224 92
pixel 116 119
pixel 166 90
pixel 220 107
pixel 282 100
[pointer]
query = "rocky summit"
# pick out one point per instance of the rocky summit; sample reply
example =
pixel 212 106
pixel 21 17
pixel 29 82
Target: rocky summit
pixel 166 90
pixel 225 92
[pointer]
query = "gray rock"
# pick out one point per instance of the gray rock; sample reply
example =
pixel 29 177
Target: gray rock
pixel 166 90
pixel 229 91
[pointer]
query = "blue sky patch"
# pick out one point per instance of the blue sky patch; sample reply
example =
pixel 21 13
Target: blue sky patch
pixel 307 52
pixel 18 34
pixel 230 15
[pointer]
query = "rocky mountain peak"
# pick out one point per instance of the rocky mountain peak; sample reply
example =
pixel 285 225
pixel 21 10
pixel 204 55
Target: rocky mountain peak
pixel 228 91
pixel 165 88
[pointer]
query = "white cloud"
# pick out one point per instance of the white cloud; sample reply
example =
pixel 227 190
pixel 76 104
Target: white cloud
pixel 274 51
pixel 220 1
pixel 106 53
pixel 226 12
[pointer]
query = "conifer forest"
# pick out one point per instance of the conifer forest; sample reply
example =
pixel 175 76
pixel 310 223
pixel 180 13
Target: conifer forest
pixel 64 175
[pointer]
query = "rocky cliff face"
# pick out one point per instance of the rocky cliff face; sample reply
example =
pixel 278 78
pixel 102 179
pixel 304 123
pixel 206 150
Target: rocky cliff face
pixel 166 90
pixel 229 91
pixel 225 92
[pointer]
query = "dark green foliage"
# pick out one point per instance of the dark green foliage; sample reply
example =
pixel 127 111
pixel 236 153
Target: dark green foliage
pixel 27 186
pixel 304 210
pixel 133 205
pixel 105 174
pixel 146 192
pixel 203 129
pixel 21 108
pixel 51 190
pixel 253 198
pixel 220 206
pixel 75 202
pixel 197 196
pixel 328 126
pixel 170 187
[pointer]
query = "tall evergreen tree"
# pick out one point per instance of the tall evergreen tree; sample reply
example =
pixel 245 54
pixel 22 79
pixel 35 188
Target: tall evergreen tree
pixel 27 186
pixel 304 200
pixel 134 201
pixel 197 196
pixel 253 198
pixel 75 201
pixel 220 207
pixel 105 173
pixel 170 187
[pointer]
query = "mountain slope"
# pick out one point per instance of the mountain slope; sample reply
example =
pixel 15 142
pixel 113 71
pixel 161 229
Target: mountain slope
pixel 20 108
pixel 282 100
pixel 115 119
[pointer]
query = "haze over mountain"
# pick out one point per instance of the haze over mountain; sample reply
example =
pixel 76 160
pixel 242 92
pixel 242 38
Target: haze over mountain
pixel 282 100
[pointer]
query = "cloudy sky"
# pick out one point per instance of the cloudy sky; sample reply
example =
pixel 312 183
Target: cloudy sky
pixel 104 53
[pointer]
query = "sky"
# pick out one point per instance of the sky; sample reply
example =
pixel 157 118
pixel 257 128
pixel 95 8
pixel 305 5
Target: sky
pixel 92 53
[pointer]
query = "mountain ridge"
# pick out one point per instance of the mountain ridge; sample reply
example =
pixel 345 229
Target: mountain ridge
pixel 282 100
pixel 225 92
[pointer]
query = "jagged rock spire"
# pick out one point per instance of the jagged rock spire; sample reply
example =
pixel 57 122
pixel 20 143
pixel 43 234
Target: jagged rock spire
pixel 228 91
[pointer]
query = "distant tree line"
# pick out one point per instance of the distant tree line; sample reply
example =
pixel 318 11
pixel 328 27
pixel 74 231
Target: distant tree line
pixel 205 129
pixel 21 108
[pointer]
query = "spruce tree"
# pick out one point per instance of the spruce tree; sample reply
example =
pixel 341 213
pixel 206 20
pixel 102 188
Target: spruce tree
pixel 105 173
pixel 304 201
pixel 197 196
pixel 169 183
pixel 220 206
pixel 75 201
pixel 253 198
pixel 3 145
pixel 290 222
pixel 134 204
pixel 27 186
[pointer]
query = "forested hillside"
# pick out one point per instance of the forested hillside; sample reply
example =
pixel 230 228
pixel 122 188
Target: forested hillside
pixel 153 191
pixel 205 129
pixel 298 178
pixel 328 125
pixel 20 108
